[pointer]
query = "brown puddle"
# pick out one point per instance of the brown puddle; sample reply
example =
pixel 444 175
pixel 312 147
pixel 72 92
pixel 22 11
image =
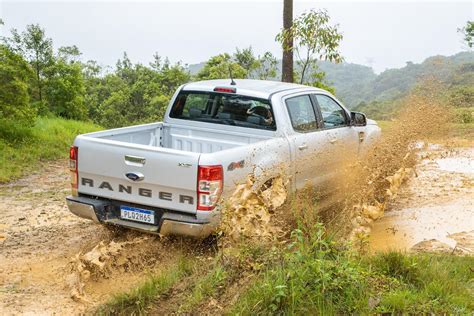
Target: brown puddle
pixel 435 207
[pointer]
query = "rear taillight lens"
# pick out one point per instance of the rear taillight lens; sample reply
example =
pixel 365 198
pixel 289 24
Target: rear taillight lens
pixel 209 186
pixel 73 161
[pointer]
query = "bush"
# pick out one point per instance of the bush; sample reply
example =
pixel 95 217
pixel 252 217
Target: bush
pixel 14 98
pixel 313 276
pixel 65 90
pixel 465 115
pixel 14 132
pixel 398 266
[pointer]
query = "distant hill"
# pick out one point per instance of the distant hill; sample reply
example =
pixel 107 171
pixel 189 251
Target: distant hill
pixel 356 83
pixel 394 83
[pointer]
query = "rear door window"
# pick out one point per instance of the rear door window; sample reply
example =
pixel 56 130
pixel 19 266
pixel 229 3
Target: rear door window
pixel 301 111
pixel 223 108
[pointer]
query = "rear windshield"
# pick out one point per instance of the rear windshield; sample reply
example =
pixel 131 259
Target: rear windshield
pixel 222 108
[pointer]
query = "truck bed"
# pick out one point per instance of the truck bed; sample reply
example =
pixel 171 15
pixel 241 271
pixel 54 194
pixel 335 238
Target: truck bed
pixel 182 137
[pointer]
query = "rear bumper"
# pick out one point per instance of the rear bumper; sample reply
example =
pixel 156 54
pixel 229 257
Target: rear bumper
pixel 170 223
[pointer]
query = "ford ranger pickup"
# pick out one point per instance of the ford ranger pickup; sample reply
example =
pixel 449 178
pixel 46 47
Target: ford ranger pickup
pixel 169 177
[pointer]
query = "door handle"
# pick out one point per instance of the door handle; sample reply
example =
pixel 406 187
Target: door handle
pixel 361 136
pixel 332 141
pixel 303 147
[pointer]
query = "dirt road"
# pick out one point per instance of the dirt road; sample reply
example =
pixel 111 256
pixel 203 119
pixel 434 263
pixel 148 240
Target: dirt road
pixel 52 262
pixel 41 244
pixel 434 210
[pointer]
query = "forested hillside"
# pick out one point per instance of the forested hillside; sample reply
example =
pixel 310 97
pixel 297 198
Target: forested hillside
pixel 356 84
pixel 44 80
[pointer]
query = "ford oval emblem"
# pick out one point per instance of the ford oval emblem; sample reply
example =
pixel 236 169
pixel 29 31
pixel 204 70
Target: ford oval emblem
pixel 135 176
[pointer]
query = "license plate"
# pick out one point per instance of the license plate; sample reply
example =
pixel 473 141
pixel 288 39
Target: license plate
pixel 137 214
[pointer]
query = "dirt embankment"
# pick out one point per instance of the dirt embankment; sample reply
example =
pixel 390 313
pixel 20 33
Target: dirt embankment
pixel 54 262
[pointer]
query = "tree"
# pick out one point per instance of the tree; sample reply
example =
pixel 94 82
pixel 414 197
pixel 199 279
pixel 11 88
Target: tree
pixel 69 53
pixel 134 93
pixel 217 67
pixel 65 88
pixel 35 47
pixel 267 68
pixel 287 44
pixel 156 63
pixel 314 39
pixel 15 73
pixel 468 32
pixel 247 60
pixel 170 77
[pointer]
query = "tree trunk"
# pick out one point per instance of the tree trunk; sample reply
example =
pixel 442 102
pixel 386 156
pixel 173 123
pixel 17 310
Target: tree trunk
pixel 38 78
pixel 287 62
pixel 40 87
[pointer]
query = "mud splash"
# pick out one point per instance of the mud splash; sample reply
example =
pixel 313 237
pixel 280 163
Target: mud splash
pixel 248 213
pixel 103 261
pixel 363 188
pixel 365 215
pixel 375 182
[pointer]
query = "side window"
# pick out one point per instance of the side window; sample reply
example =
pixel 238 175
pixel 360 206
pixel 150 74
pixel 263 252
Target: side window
pixel 332 113
pixel 301 113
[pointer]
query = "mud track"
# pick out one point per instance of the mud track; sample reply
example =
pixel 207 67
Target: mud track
pixel 434 210
pixel 52 262
pixel 41 243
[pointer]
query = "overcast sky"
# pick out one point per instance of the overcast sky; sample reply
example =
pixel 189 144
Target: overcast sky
pixel 380 34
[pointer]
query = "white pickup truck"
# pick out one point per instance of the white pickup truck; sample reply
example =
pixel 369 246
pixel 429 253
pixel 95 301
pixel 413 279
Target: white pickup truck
pixel 169 177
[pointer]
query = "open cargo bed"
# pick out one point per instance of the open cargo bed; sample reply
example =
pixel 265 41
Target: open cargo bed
pixel 182 137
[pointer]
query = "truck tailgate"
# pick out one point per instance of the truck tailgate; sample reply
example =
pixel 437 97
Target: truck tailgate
pixel 169 176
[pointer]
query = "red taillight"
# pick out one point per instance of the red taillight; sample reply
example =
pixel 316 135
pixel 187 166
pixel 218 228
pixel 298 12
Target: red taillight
pixel 73 162
pixel 209 186
pixel 225 89
pixel 73 153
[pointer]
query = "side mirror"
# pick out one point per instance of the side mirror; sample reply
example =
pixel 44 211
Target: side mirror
pixel 358 119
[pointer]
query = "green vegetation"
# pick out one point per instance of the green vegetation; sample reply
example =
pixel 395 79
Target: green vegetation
pixel 205 287
pixel 318 275
pixel 358 85
pixel 135 301
pixel 312 39
pixel 314 274
pixel 14 98
pixel 468 33
pixel 22 149
pixel 38 80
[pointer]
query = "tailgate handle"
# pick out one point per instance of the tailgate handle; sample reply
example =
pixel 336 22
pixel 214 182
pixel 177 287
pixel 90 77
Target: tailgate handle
pixel 135 160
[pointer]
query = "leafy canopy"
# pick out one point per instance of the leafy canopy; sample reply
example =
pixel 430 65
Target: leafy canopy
pixel 314 39
pixel 219 67
pixel 15 73
pixel 468 32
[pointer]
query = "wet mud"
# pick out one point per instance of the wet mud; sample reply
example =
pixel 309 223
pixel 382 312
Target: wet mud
pixel 52 262
pixel 435 209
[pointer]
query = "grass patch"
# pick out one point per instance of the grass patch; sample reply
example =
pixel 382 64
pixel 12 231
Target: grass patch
pixel 135 301
pixel 23 149
pixel 385 125
pixel 462 130
pixel 318 276
pixel 204 288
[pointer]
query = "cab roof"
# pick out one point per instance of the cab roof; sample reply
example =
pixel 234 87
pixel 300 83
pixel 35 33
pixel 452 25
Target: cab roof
pixel 249 87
